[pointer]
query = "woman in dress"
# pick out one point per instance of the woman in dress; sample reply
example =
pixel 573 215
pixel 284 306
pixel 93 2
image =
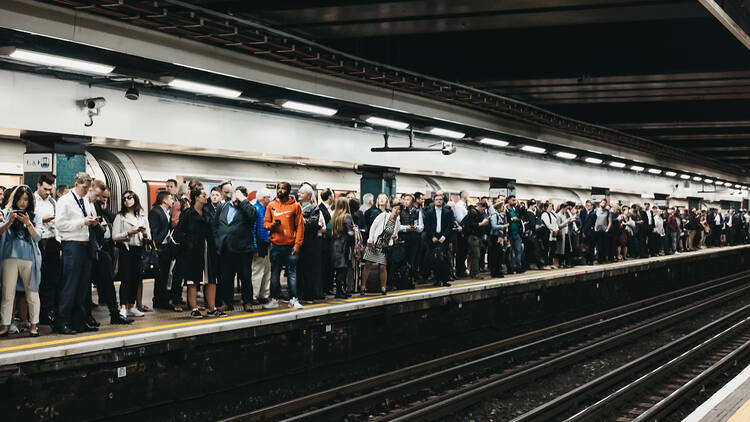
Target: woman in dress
pixel 192 233
pixel 131 232
pixel 20 256
pixel 383 231
pixel 342 237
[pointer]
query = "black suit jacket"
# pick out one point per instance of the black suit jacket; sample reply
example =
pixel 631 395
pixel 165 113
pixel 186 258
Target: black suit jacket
pixel 430 223
pixel 159 224
pixel 236 236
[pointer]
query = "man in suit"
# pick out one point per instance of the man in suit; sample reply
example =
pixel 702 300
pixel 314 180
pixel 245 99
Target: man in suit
pixel 438 221
pixel 233 234
pixel 159 219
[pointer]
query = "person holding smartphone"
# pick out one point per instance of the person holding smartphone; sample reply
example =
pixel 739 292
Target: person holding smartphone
pixel 20 256
pixel 130 231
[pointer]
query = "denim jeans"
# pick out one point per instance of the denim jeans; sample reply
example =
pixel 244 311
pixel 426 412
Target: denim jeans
pixel 282 255
pixel 517 247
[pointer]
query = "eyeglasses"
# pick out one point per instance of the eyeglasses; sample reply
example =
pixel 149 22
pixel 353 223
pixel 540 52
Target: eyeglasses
pixel 127 197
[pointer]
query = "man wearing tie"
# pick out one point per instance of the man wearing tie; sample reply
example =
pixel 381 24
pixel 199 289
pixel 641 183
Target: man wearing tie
pixel 74 220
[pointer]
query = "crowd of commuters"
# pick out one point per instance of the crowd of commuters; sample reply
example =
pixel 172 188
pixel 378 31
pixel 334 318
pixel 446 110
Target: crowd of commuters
pixel 56 242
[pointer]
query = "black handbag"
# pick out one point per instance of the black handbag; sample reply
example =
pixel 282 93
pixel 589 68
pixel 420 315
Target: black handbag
pixel 150 261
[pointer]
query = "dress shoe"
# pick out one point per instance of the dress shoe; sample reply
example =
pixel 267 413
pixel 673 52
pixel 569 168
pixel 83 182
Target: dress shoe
pixel 88 328
pixel 65 329
pixel 118 319
pixel 90 321
pixel 446 284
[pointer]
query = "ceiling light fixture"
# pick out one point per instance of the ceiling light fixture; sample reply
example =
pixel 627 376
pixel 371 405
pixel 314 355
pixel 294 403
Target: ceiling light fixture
pixel 654 171
pixel 56 61
pixel 737 186
pixel 684 176
pixel 494 142
pixel 535 150
pixel 697 178
pixel 308 108
pixel 727 184
pixel 565 155
pixel 447 133
pixel 670 174
pixel 199 88
pixel 637 168
pixel 617 164
pixel 393 124
pixel 708 181
pixel 592 160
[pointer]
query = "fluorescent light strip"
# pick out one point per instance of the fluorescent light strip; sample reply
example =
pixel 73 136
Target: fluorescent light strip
pixel 697 178
pixel 565 155
pixel 393 124
pixel 58 61
pixel 684 176
pixel 200 88
pixel 447 133
pixel 737 186
pixel 617 164
pixel 637 168
pixel 727 184
pixel 309 108
pixel 708 181
pixel 654 171
pixel 592 160
pixel 494 142
pixel 671 174
pixel 535 150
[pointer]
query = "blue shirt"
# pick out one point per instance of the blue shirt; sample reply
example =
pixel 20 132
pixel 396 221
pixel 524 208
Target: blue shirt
pixel 260 232
pixel 18 247
pixel 230 213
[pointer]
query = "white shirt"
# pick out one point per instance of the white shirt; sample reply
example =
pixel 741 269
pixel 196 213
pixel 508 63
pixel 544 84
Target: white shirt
pixel 44 208
pixel 461 211
pixel 69 219
pixel 438 214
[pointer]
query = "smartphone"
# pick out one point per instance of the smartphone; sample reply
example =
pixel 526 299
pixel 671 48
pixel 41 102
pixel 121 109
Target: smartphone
pixel 99 217
pixel 277 221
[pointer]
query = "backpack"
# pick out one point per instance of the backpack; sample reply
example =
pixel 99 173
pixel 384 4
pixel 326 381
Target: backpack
pixel 358 249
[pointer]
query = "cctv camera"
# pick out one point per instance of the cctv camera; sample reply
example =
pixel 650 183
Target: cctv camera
pixel 448 148
pixel 132 93
pixel 95 103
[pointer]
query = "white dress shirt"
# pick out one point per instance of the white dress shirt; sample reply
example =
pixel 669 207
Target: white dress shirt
pixel 70 219
pixel 461 211
pixel 44 208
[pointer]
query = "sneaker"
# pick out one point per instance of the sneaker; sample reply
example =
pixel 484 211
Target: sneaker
pixel 24 326
pixel 272 304
pixel 216 313
pixel 294 303
pixel 135 312
pixel 195 313
pixel 13 328
pixel 124 313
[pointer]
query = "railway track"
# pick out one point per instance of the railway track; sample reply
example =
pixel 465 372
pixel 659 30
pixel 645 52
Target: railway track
pixel 462 378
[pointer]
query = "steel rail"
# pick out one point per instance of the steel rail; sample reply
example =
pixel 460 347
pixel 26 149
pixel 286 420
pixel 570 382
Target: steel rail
pixel 456 400
pixel 565 402
pixel 550 336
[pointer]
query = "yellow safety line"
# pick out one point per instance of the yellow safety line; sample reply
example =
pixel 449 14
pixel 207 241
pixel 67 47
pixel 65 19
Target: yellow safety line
pixel 742 414
pixel 148 329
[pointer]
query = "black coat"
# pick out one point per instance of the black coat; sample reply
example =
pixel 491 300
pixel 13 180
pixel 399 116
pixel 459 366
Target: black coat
pixel 236 236
pixel 159 224
pixel 430 223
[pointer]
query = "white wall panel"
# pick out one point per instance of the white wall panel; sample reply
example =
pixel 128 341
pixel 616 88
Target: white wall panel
pixel 34 102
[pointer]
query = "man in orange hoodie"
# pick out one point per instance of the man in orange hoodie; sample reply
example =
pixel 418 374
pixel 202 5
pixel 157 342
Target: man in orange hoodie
pixel 286 228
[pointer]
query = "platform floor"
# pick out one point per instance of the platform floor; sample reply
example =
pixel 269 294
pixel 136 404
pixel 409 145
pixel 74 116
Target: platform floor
pixel 165 325
pixel 730 404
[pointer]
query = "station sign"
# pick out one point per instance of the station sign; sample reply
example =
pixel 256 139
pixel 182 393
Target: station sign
pixel 39 162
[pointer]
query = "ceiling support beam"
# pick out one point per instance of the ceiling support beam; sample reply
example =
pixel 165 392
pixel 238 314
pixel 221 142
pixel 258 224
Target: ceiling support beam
pixel 732 15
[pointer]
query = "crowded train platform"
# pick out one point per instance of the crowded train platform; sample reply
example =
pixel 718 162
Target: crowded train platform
pixel 58 245
pixel 221 210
